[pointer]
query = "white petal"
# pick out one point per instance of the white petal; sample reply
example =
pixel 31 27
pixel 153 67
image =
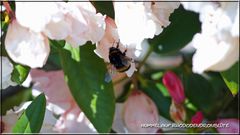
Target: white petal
pixel 139 20
pixel 35 15
pixel 6 69
pixel 58 30
pixel 25 46
pixel 214 55
pixel 88 26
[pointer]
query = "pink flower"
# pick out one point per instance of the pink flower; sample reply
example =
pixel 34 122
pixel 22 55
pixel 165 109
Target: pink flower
pixel 197 118
pixel 177 112
pixel 140 109
pixel 232 125
pixel 174 86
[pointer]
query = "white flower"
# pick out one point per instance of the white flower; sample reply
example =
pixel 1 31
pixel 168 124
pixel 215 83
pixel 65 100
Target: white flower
pixel 27 37
pixel 214 54
pixel 6 70
pixel 217 46
pixel 140 109
pixel 25 46
pixel 72 119
pixel 139 20
pixel 110 39
pixel 86 24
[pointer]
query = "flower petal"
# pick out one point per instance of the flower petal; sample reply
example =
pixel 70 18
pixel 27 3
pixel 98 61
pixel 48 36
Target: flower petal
pixel 214 55
pixel 35 15
pixel 140 109
pixel 88 26
pixel 25 46
pixel 6 69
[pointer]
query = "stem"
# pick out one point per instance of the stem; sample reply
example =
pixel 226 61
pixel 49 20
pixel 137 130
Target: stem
pixel 150 49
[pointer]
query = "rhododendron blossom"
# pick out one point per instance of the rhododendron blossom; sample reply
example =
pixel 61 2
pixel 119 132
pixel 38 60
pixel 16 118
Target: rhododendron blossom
pixel 217 46
pixel 27 39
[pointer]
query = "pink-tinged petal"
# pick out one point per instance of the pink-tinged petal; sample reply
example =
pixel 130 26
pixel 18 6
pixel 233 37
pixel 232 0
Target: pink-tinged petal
pixel 140 109
pixel 87 25
pixel 35 15
pixel 52 83
pixel 58 29
pixel 177 112
pixel 25 46
pixel 6 69
pixel 197 118
pixel 8 121
pixel 174 86
pixel 109 40
pixel 232 125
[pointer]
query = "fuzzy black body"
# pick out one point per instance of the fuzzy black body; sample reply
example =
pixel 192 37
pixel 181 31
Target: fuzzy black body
pixel 119 59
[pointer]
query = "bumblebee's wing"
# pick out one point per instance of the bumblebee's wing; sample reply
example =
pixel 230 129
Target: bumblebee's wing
pixel 108 77
pixel 109 74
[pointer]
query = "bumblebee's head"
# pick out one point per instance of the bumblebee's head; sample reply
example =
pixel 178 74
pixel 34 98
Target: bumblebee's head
pixel 112 49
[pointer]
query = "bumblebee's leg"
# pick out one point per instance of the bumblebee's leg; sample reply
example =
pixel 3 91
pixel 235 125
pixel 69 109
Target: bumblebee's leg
pixel 118 43
pixel 124 53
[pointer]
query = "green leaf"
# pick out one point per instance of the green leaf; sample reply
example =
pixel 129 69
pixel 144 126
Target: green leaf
pixel 184 24
pixel 19 73
pixel 208 95
pixel 32 118
pixel 104 8
pixel 230 77
pixel 14 96
pixel 84 73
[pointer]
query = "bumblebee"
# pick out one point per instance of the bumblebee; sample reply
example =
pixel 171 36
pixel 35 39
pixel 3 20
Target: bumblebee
pixel 119 59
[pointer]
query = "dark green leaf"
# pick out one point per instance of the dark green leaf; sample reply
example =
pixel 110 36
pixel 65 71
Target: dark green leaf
pixel 32 118
pixel 209 95
pixel 104 8
pixel 231 78
pixel 19 73
pixel 84 73
pixel 184 24
pixel 14 96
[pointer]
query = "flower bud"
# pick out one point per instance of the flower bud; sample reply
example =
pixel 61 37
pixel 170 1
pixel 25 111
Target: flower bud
pixel 230 125
pixel 140 109
pixel 174 86
pixel 177 112
pixel 197 118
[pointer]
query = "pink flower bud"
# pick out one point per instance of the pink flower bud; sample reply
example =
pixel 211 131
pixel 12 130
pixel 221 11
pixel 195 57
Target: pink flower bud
pixel 174 86
pixel 197 118
pixel 231 125
pixel 177 112
pixel 139 109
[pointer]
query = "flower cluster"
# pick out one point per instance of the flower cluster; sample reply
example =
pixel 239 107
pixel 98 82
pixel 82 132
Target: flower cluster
pixel 27 36
pixel 219 34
